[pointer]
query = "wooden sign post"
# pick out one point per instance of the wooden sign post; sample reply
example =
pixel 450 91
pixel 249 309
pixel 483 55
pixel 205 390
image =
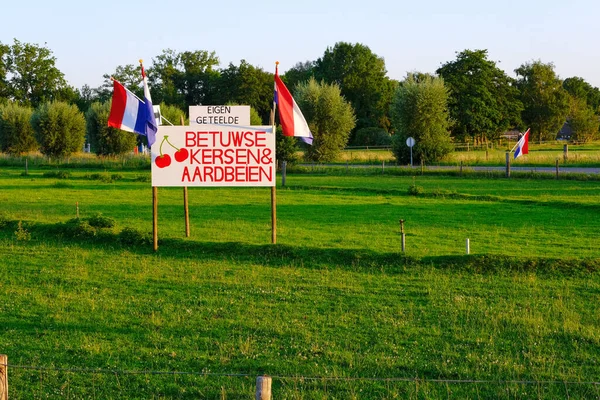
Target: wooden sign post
pixel 3 377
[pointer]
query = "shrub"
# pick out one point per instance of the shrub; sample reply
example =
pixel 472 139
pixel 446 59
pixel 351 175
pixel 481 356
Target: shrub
pixel 100 221
pixel 21 233
pixel 103 139
pixel 329 116
pixel 16 133
pixel 372 137
pixel 285 147
pixel 415 190
pixel 134 237
pixel 57 174
pixel 59 128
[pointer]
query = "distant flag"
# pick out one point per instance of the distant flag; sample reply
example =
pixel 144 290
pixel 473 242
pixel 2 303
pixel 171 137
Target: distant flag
pixel 131 114
pixel 523 145
pixel 291 118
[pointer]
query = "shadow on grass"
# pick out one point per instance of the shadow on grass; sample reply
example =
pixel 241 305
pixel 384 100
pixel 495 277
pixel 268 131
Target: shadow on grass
pixel 278 256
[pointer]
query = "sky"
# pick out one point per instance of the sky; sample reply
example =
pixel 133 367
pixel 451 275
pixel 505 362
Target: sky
pixel 90 39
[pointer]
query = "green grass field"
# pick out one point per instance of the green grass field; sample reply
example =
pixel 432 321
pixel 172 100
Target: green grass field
pixel 333 311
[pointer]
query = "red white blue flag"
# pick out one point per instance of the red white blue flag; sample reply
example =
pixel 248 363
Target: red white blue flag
pixel 131 114
pixel 522 145
pixel 291 118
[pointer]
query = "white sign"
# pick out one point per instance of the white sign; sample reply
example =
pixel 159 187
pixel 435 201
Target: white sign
pixel 213 155
pixel 220 115
pixel 410 142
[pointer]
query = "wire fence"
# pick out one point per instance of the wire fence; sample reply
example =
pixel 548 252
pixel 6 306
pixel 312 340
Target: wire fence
pixel 32 381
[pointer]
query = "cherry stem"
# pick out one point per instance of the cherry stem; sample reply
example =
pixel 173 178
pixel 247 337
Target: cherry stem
pixel 161 144
pixel 171 143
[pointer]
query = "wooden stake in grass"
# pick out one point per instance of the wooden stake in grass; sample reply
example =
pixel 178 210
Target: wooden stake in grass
pixel 557 168
pixel 468 245
pixel 77 209
pixel 403 235
pixel 3 377
pixel 263 387
pixel 508 164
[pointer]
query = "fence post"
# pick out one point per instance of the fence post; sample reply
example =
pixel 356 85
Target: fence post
pixel 263 387
pixel 508 164
pixel 566 152
pixel 468 245
pixel 557 168
pixel 383 167
pixel 403 235
pixel 422 166
pixel 461 165
pixel 3 377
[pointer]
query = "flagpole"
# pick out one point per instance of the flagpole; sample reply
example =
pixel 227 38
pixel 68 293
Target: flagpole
pixel 274 187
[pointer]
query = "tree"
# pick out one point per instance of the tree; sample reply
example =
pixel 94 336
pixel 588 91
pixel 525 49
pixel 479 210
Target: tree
pixel 301 72
pixel 546 103
pixel 183 79
pixel 372 137
pixel 129 75
pixel 247 85
pixel 285 147
pixel 420 110
pixel 59 128
pixel 484 103
pixel 103 139
pixel 361 76
pixel 329 116
pixel 4 59
pixel 16 133
pixel 173 114
pixel 579 88
pixel 583 121
pixel 34 77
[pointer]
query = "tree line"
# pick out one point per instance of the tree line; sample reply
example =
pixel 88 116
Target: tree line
pixel 346 96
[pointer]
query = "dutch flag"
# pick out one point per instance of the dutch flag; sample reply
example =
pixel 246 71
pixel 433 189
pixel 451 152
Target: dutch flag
pixel 291 118
pixel 522 145
pixel 131 114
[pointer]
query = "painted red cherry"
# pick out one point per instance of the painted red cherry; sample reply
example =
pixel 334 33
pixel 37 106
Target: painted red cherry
pixel 181 154
pixel 163 161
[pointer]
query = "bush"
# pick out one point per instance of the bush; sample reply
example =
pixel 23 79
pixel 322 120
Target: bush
pixel 59 128
pixel 372 137
pixel 57 174
pixel 16 133
pixel 172 114
pixel 415 190
pixel 21 233
pixel 134 237
pixel 285 147
pixel 103 139
pixel 329 116
pixel 100 221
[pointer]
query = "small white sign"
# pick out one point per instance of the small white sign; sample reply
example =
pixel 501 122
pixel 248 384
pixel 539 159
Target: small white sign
pixel 410 142
pixel 220 115
pixel 213 155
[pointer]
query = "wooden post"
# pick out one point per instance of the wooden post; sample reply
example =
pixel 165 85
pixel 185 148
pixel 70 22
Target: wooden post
pixel 461 166
pixel 283 172
pixel 186 211
pixel 422 166
pixel 186 207
pixel 155 217
pixel 403 235
pixel 557 168
pixel 566 152
pixel 273 215
pixel 508 164
pixel 26 167
pixel 383 167
pixel 487 156
pixel 77 209
pixel 468 243
pixel 3 377
pixel 263 387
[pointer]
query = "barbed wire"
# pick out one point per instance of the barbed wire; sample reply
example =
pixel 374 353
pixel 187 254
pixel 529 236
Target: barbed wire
pixel 299 377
